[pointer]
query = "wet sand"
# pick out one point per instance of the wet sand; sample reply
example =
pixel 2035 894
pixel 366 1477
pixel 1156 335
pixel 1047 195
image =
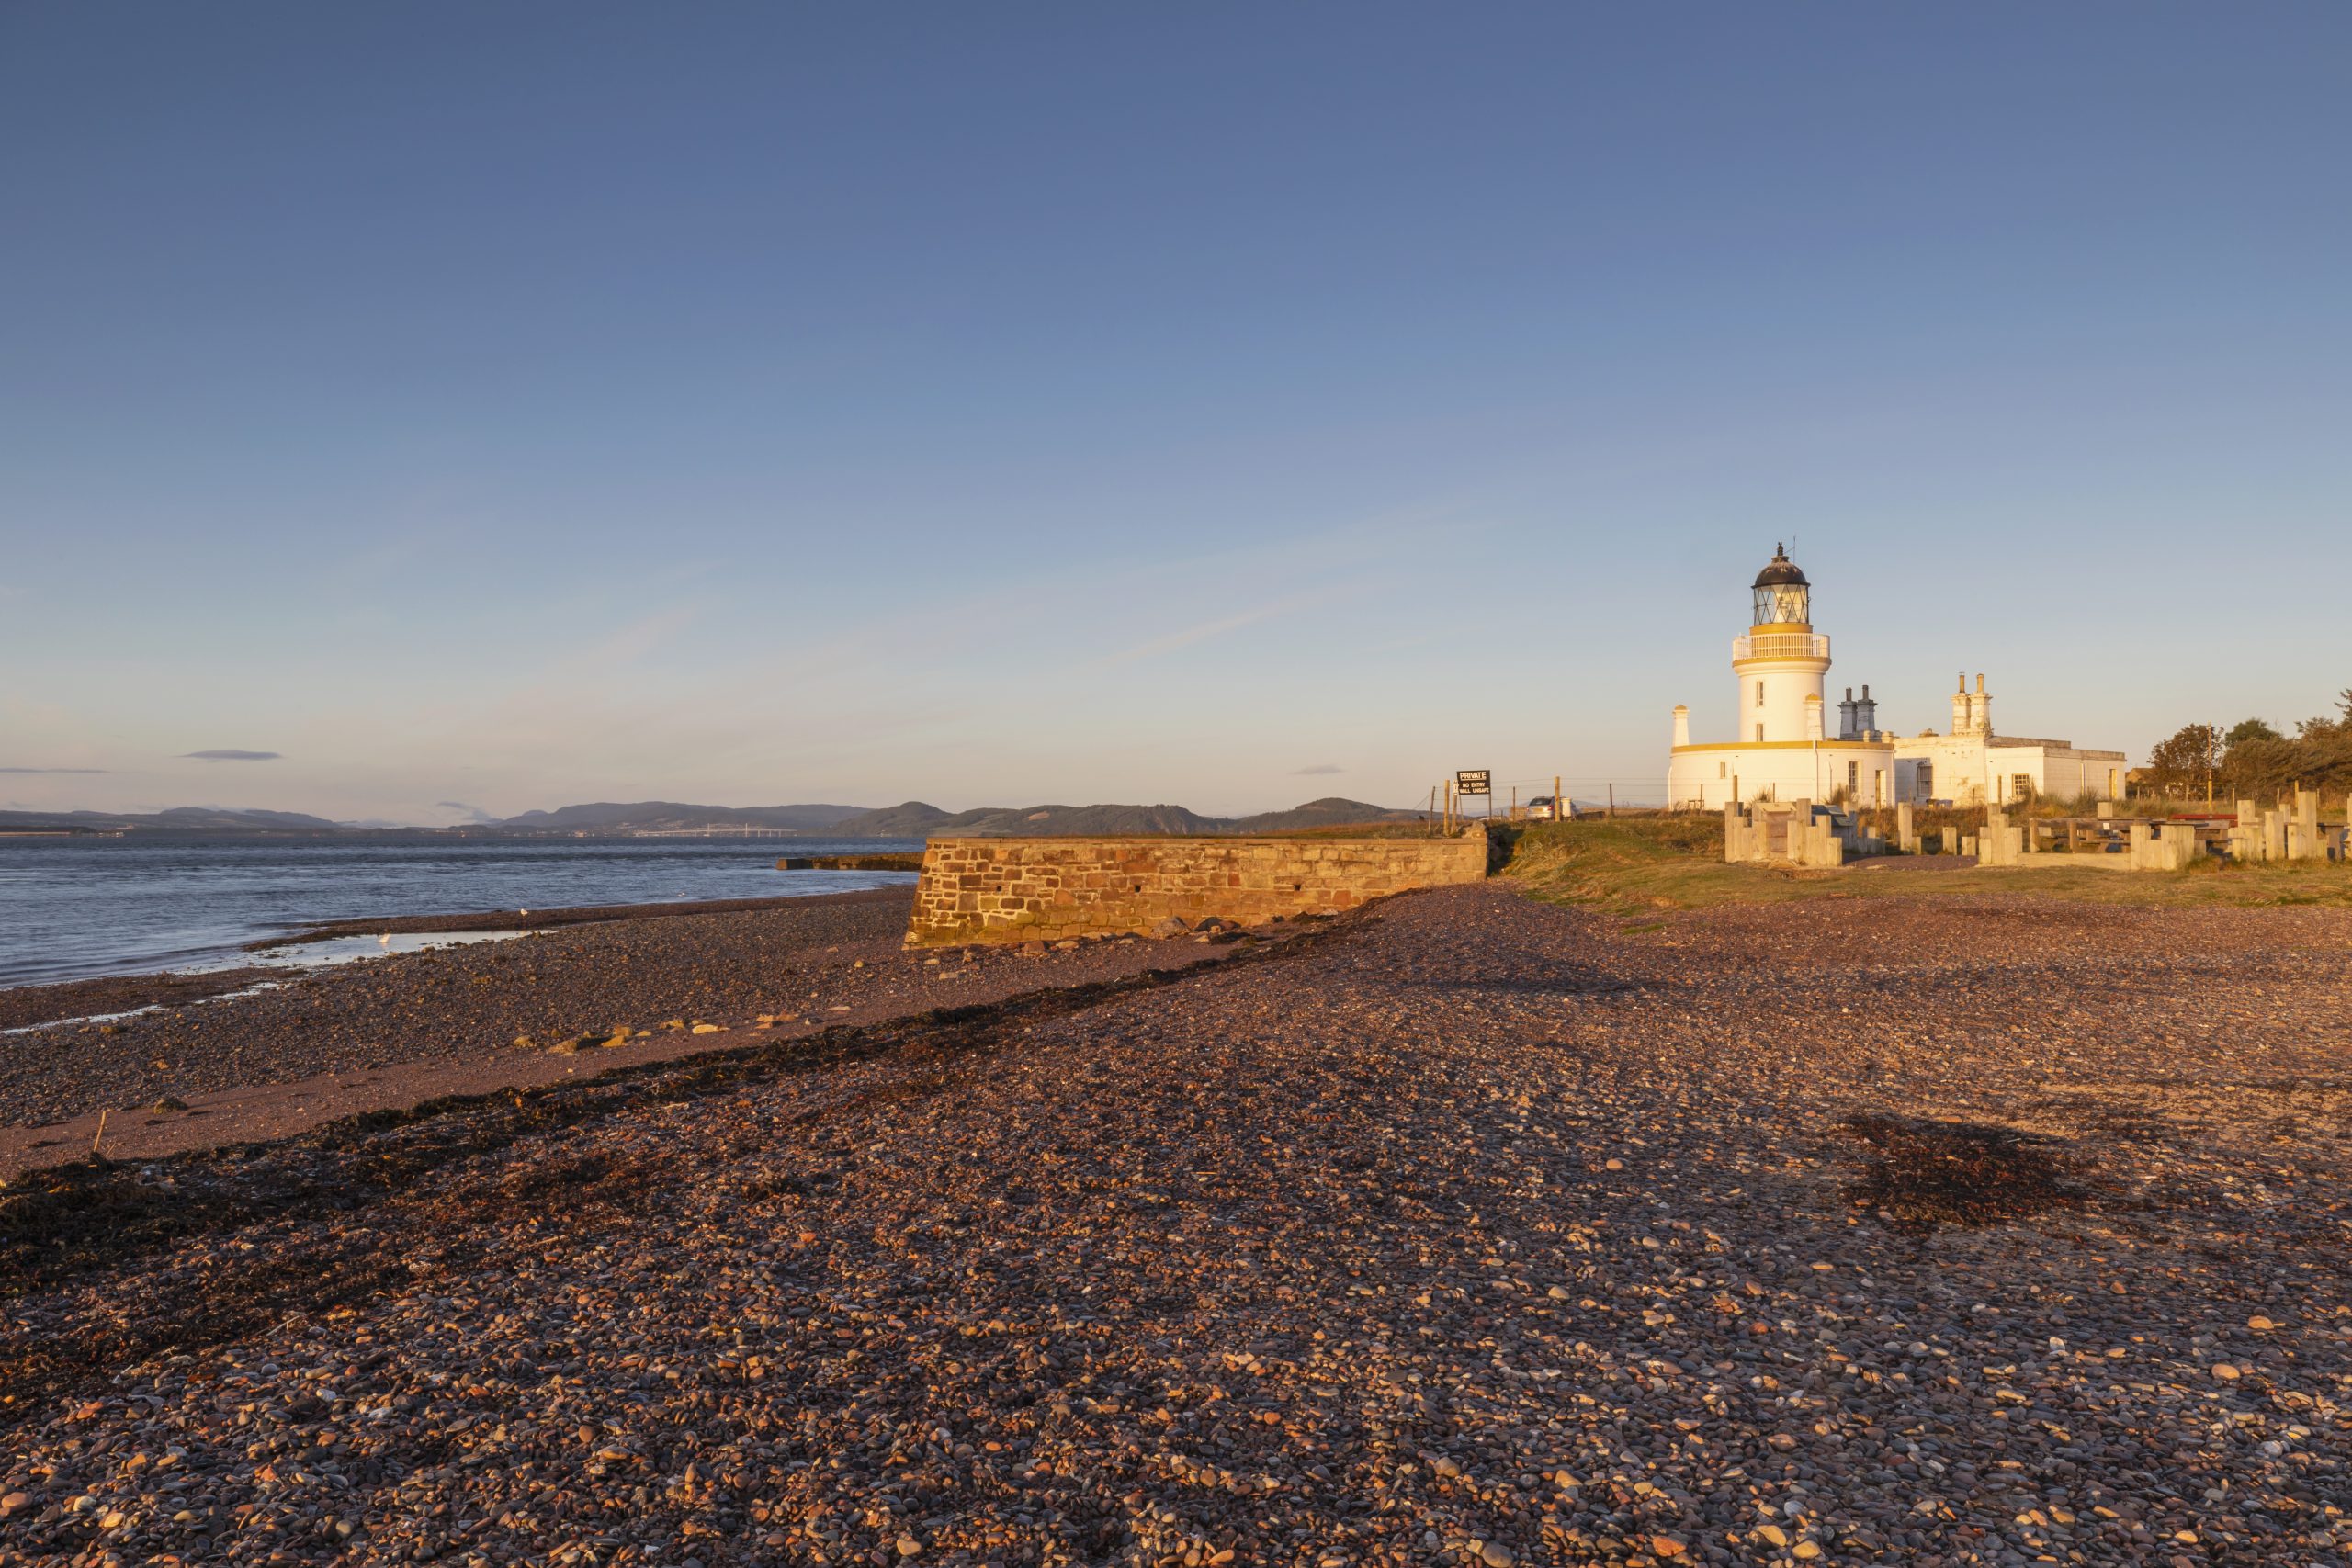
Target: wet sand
pixel 543 920
pixel 22 1006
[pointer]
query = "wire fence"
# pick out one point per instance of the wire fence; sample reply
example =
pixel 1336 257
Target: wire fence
pixel 1537 797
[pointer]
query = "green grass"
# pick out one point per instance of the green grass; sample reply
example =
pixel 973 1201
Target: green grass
pixel 1640 864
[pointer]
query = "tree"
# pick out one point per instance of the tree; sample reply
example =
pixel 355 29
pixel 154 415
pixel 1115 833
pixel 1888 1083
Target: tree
pixel 2185 762
pixel 2248 730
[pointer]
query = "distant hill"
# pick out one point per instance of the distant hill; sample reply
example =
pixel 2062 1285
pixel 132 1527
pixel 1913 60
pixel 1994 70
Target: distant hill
pixel 1331 811
pixel 607 817
pixel 911 819
pixel 917 821
pixel 177 819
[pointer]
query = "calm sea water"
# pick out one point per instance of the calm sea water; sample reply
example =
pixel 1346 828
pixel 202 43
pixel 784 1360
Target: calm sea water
pixel 74 907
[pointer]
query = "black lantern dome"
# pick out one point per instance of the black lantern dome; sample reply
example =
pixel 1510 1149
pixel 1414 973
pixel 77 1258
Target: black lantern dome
pixel 1782 595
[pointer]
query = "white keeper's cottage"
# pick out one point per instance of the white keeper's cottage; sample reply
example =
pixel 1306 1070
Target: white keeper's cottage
pixel 1784 747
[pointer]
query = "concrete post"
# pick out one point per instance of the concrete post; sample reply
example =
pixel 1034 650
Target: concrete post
pixel 2177 850
pixel 1907 838
pixel 1814 841
pixel 1997 843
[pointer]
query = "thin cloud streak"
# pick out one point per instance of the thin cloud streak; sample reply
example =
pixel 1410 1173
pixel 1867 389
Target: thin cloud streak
pixel 1219 627
pixel 230 754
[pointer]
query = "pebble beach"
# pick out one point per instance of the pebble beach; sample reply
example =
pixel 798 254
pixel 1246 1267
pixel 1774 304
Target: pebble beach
pixel 1463 1229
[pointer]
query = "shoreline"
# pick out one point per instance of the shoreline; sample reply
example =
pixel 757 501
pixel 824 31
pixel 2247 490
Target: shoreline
pixel 95 997
pixel 613 989
pixel 99 997
pixel 535 920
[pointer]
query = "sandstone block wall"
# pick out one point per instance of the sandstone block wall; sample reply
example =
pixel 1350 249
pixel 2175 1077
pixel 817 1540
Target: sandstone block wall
pixel 1042 889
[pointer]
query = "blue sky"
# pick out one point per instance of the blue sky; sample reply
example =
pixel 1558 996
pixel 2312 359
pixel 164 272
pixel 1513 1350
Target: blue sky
pixel 512 405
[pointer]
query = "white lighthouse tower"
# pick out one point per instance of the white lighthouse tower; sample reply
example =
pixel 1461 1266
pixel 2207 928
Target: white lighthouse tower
pixel 1780 749
pixel 1782 660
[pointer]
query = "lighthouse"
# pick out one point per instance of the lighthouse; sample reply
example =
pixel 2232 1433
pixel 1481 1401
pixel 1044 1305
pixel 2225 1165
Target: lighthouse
pixel 1780 661
pixel 1779 748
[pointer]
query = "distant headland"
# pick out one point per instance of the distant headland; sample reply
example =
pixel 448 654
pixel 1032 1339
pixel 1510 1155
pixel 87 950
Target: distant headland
pixel 664 819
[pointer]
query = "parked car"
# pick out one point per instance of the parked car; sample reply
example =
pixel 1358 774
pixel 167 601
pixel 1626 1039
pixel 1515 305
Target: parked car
pixel 1542 808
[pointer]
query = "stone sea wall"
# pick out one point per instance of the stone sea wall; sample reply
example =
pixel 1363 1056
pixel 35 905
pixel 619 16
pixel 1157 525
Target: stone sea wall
pixel 999 890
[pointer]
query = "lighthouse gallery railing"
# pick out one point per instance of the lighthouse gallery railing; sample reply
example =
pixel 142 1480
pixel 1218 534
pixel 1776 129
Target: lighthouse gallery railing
pixel 1781 645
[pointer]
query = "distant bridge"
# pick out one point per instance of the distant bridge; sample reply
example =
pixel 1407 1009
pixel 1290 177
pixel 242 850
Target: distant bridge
pixel 691 833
